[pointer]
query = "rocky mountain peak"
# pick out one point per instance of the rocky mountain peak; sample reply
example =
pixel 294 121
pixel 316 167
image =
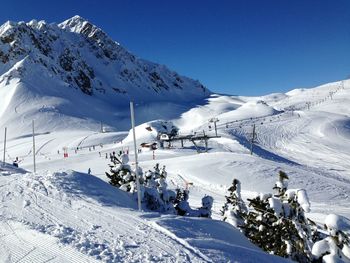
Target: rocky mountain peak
pixel 82 56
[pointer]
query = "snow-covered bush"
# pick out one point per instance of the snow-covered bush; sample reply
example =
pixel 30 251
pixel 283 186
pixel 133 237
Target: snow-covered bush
pixel 183 207
pixel 207 204
pixel 154 189
pixel 336 246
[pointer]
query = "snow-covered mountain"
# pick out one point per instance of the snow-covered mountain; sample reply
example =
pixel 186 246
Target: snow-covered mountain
pixel 70 216
pixel 70 76
pixel 60 70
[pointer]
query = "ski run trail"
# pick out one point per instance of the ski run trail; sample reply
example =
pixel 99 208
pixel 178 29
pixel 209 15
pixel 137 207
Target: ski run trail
pixel 62 214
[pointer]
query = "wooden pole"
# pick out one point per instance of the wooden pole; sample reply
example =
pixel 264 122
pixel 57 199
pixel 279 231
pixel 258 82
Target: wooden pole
pixel 34 163
pixel 4 159
pixel 136 160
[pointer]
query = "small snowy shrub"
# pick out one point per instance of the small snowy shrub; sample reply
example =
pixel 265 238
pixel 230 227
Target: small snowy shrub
pixel 336 246
pixel 183 208
pixel 181 202
pixel 207 204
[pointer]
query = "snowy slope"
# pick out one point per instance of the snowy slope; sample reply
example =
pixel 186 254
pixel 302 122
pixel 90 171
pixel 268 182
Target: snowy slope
pixel 319 167
pixel 77 217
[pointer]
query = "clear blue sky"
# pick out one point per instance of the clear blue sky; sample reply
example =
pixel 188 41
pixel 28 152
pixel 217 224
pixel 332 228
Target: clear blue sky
pixel 237 47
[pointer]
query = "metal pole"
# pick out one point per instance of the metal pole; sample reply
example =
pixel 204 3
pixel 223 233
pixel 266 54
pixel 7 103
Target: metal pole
pixel 4 159
pixel 136 160
pixel 252 141
pixel 216 132
pixel 34 148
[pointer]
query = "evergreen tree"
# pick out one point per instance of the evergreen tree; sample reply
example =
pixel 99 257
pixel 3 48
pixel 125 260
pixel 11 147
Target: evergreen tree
pixel 276 223
pixel 234 207
pixel 121 175
pixel 282 184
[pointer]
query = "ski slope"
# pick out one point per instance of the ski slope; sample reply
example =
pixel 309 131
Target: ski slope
pixel 303 132
pixel 75 217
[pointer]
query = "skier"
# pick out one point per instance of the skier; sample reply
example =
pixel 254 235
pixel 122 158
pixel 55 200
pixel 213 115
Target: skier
pixel 89 171
pixel 15 162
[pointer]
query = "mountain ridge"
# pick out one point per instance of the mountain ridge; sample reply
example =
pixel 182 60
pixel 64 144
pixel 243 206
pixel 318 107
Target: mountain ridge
pixel 85 57
pixel 78 74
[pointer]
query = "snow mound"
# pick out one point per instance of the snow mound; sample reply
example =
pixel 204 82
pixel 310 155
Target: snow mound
pixel 335 223
pixel 148 132
pixel 75 184
pixel 226 109
pixel 201 114
pixel 250 109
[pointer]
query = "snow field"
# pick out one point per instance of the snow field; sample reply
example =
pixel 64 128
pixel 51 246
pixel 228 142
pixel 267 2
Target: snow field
pixel 84 213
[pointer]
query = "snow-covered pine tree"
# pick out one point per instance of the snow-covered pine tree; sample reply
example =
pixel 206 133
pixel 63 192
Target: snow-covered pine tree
pixel 282 184
pixel 234 207
pixel 277 223
pixel 294 205
pixel 121 175
pixel 167 196
pixel 157 196
pixel 259 225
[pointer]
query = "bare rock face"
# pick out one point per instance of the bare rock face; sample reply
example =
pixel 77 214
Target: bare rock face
pixel 79 55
